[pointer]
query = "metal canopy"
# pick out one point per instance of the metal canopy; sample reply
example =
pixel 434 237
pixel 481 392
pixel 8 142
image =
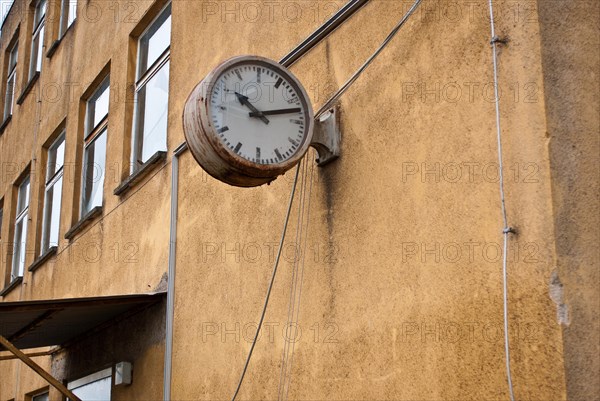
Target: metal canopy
pixel 32 324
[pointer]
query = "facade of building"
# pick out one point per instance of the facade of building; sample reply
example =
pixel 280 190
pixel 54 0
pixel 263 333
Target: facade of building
pixel 390 283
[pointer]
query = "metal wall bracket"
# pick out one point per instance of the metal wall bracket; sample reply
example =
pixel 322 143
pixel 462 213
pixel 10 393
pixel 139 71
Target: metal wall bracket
pixel 326 137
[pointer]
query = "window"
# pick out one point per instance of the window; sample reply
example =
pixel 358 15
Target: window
pixel 37 39
pixel 11 80
pixel 68 13
pixel 53 194
pixel 20 243
pixel 41 397
pixel 152 90
pixel 94 159
pixel 95 387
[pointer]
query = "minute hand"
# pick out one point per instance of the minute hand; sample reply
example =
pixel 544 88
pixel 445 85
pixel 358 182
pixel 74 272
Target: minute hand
pixel 275 112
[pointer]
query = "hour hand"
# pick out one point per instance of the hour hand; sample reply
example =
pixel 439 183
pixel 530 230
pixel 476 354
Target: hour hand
pixel 244 100
pixel 275 112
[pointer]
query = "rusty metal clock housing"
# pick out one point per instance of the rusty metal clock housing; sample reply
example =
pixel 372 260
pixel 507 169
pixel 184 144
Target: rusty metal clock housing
pixel 205 141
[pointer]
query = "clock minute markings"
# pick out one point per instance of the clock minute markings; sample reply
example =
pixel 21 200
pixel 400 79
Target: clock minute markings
pixel 278 154
pixel 237 148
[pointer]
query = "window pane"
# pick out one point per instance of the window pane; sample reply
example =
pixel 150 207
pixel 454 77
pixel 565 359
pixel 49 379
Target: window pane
pixel 23 196
pixel 56 157
pixel 68 14
pixel 41 397
pixel 72 12
pixel 40 12
pixel 95 391
pixel 93 185
pixel 13 57
pixel 155 41
pixel 152 105
pixel 20 247
pixel 52 215
pixel 98 106
pixel 10 94
pixel 37 52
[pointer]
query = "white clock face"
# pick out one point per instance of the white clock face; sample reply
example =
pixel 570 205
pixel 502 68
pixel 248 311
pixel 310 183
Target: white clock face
pixel 259 113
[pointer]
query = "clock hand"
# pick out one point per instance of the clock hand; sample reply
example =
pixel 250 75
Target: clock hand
pixel 244 100
pixel 274 112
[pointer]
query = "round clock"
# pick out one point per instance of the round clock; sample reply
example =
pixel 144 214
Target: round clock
pixel 249 121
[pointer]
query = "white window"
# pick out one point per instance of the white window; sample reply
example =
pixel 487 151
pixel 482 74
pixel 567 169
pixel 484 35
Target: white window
pixel 37 39
pixel 41 397
pixel 94 159
pixel 152 90
pixel 11 80
pixel 53 194
pixel 95 387
pixel 68 13
pixel 20 243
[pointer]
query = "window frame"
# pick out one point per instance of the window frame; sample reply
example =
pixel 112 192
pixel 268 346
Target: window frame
pixel 37 38
pixel 21 219
pixel 50 184
pixel 13 55
pixel 39 394
pixel 90 135
pixel 92 378
pixel 141 80
pixel 66 7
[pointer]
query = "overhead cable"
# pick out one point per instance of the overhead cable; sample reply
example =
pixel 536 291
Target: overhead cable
pixel 362 68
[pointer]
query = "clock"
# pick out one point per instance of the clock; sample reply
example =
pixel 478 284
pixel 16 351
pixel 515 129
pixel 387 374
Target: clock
pixel 249 121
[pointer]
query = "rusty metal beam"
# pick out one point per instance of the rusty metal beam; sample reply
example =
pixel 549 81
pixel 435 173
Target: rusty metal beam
pixel 39 370
pixel 25 306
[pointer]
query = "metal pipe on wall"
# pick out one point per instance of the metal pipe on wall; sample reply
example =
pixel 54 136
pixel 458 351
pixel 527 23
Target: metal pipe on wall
pixel 171 278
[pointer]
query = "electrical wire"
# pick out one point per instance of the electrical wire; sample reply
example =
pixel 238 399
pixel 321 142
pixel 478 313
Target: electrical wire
pixel 264 310
pixel 291 363
pixel 357 74
pixel 322 110
pixel 296 283
pixel 293 284
pixel 506 229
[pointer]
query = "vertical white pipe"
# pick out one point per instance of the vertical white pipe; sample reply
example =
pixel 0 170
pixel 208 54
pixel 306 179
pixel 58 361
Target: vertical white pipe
pixel 171 280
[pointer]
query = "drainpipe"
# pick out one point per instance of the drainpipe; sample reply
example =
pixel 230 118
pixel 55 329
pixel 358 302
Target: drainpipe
pixel 171 278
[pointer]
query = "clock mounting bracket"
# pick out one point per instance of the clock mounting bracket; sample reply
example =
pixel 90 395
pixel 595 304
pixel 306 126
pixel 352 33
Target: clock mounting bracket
pixel 327 136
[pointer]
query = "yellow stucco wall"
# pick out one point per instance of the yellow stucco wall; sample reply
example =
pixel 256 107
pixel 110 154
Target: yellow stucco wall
pixel 402 283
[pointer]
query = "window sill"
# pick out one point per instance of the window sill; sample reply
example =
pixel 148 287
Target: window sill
pixel 43 258
pixel 54 45
pixel 27 89
pixel 83 222
pixel 155 160
pixel 11 286
pixel 5 124
pixel 53 48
